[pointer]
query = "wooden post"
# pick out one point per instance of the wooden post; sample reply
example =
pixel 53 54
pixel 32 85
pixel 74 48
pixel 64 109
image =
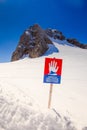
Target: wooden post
pixel 50 96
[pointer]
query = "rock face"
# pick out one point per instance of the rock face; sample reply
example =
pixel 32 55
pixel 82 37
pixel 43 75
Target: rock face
pixel 53 33
pixel 77 43
pixel 34 43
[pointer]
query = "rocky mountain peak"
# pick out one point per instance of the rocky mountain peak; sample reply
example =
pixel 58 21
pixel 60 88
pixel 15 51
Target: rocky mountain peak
pixel 33 42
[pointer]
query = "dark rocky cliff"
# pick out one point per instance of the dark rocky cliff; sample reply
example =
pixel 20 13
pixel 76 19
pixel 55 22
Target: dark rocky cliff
pixel 33 42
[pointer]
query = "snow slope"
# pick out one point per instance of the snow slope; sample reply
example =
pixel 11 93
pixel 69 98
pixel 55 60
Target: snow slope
pixel 24 96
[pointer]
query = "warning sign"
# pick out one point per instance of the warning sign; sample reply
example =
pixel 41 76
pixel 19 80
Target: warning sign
pixel 52 70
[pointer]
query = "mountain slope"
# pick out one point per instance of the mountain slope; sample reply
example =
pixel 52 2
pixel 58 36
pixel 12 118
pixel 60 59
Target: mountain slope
pixel 24 96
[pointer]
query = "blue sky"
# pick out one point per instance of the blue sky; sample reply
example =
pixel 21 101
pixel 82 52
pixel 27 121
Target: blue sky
pixel 68 16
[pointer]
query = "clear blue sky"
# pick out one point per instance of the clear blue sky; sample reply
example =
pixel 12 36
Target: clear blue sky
pixel 68 16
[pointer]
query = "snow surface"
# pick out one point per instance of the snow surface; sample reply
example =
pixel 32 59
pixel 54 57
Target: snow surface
pixel 24 96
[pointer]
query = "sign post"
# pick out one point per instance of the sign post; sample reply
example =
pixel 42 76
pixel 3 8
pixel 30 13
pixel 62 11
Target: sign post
pixel 52 74
pixel 50 95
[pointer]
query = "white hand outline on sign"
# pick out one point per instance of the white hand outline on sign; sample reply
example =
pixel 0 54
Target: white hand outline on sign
pixel 53 67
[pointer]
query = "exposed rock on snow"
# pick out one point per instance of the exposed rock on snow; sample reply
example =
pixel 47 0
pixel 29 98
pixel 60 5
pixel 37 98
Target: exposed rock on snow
pixel 53 33
pixel 77 43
